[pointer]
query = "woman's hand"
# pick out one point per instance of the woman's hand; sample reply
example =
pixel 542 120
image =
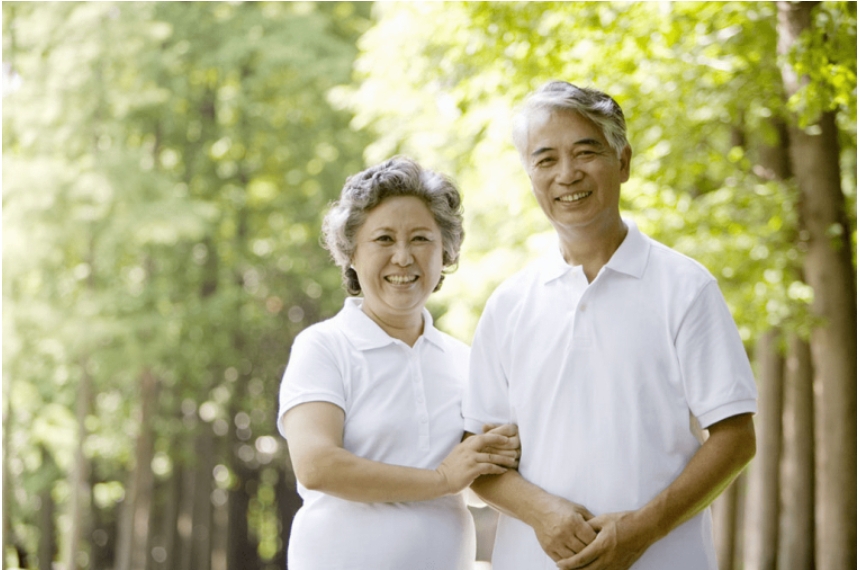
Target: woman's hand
pixel 512 447
pixel 491 453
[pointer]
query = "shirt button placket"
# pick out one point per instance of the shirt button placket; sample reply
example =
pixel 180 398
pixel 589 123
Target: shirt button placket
pixel 420 402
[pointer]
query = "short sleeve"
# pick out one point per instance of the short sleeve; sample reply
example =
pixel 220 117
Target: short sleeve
pixel 718 380
pixel 312 374
pixel 485 400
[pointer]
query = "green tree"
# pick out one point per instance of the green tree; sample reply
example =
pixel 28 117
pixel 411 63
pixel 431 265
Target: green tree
pixel 166 166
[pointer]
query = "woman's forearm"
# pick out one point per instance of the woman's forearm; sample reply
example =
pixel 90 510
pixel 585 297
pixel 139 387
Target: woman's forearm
pixel 337 472
pixel 315 437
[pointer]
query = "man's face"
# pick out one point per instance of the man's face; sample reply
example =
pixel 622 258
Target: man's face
pixel 576 175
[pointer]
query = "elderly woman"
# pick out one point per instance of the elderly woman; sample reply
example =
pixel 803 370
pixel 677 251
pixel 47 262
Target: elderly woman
pixel 370 400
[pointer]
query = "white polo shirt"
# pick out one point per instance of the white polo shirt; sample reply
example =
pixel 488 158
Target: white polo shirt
pixel 402 407
pixel 602 379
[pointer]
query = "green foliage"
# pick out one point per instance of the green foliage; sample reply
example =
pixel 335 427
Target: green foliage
pixel 166 169
pixel 167 166
pixel 826 57
pixel 700 86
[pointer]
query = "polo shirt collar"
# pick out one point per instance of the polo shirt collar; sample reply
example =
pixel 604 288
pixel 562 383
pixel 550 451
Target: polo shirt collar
pixel 630 258
pixel 364 334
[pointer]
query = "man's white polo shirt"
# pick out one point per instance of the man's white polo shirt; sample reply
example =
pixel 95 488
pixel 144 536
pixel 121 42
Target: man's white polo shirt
pixel 602 379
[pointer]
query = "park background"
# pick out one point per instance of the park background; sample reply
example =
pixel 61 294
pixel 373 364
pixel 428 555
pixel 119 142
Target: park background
pixel 166 167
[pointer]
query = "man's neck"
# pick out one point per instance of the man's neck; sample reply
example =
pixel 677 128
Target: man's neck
pixel 592 248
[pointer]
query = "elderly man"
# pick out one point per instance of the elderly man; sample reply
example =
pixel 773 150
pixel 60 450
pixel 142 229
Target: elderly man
pixel 609 353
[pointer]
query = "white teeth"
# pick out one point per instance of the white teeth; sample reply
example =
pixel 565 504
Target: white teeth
pixel 400 279
pixel 573 197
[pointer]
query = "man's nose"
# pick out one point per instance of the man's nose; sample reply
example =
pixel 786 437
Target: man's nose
pixel 569 171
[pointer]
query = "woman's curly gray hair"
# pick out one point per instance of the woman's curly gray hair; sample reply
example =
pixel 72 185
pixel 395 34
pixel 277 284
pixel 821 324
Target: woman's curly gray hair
pixel 397 176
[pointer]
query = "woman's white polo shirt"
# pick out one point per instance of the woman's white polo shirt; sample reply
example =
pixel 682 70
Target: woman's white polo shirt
pixel 402 406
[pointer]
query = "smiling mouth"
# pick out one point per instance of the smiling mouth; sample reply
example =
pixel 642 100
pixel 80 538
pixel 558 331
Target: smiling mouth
pixel 574 197
pixel 401 279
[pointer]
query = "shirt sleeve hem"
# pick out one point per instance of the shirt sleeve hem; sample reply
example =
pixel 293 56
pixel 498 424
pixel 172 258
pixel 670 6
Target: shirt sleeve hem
pixel 473 426
pixel 726 411
pixel 304 399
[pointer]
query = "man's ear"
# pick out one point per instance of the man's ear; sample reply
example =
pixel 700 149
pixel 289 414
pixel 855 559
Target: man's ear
pixel 626 155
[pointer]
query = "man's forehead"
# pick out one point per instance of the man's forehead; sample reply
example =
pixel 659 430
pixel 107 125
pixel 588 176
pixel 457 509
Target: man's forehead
pixel 548 128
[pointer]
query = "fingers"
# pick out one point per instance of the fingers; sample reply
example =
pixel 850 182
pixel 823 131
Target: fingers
pixel 580 560
pixel 504 460
pixel 493 441
pixel 506 452
pixel 489 440
pixel 507 430
pixel 561 553
pixel 491 469
pixel 586 533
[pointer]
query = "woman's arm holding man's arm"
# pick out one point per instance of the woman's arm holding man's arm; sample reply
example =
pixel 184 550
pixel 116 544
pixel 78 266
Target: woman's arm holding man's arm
pixel 314 433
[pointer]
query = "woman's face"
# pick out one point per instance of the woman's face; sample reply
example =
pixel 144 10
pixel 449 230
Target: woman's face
pixel 398 258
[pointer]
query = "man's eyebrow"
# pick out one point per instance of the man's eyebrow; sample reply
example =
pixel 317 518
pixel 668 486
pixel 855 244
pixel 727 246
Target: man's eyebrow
pixel 580 142
pixel 542 150
pixel 588 142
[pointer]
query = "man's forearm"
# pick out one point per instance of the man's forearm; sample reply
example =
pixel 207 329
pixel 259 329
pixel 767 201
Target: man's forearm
pixel 729 448
pixel 624 536
pixel 512 495
pixel 560 526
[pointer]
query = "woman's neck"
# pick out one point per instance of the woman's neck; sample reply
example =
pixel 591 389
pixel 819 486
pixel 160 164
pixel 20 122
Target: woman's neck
pixel 407 328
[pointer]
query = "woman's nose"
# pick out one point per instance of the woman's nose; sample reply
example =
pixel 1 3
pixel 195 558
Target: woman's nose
pixel 402 255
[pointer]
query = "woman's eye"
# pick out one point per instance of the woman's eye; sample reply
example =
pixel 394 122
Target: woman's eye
pixel 421 238
pixel 384 238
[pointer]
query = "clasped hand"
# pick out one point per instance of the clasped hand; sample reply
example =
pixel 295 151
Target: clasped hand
pixel 605 542
pixel 491 453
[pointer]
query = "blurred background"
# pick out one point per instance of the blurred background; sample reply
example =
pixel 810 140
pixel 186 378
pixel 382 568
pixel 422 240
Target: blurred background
pixel 166 166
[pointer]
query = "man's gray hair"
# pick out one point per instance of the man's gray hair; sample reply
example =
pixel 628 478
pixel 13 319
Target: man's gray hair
pixel 397 176
pixel 593 104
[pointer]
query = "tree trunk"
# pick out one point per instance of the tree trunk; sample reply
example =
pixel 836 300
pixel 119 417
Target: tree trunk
pixel 79 476
pixel 201 551
pixel 797 486
pixel 185 521
pixel 725 513
pixel 829 270
pixel 761 523
pixel 47 529
pixel 222 540
pixel 47 548
pixel 289 502
pixel 8 540
pixel 241 549
pixel 169 540
pixel 134 526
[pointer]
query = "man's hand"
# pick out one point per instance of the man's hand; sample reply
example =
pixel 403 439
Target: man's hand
pixel 617 546
pixel 564 531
